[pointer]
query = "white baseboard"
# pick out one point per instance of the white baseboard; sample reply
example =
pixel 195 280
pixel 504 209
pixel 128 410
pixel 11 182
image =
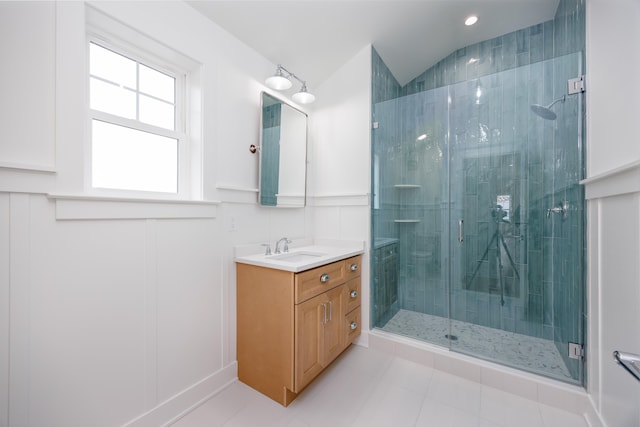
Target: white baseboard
pixel 187 400
pixel 592 416
pixel 534 387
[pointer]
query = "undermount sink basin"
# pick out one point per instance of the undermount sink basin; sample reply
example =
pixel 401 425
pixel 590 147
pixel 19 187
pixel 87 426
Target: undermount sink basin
pixel 298 256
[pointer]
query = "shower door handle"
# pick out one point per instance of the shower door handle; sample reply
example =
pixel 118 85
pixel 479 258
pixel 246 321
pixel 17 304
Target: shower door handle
pixel 460 228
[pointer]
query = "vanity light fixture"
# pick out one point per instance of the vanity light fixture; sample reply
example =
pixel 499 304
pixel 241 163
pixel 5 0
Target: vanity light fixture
pixel 304 97
pixel 281 80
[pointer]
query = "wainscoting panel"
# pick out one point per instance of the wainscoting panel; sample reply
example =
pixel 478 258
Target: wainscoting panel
pixel 614 292
pixel 107 322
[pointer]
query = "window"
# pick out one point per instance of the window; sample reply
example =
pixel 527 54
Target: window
pixel 138 138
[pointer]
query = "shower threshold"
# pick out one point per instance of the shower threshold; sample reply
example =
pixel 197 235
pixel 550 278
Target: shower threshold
pixel 532 354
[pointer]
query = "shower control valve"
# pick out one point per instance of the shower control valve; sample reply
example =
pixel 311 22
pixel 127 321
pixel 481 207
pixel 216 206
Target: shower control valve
pixel 561 209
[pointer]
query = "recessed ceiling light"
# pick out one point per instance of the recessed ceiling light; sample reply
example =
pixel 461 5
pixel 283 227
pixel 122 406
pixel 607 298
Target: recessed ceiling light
pixel 471 20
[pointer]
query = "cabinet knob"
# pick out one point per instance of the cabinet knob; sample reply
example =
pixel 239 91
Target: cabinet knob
pixel 354 267
pixel 354 293
pixel 324 278
pixel 353 325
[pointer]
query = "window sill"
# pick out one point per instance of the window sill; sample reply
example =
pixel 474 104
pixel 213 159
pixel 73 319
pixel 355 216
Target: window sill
pixel 79 207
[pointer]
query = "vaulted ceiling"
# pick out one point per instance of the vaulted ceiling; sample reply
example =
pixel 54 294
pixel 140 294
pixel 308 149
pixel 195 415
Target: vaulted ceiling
pixel 313 38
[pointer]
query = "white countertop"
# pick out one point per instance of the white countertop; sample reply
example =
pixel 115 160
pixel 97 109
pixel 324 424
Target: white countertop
pixel 303 254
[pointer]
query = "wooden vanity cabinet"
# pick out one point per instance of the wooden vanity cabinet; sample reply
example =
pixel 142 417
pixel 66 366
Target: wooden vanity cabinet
pixel 291 326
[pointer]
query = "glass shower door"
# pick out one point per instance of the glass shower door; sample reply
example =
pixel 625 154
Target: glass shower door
pixel 478 217
pixel 516 275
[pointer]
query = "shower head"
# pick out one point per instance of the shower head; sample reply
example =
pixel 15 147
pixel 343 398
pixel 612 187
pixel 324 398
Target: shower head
pixel 545 112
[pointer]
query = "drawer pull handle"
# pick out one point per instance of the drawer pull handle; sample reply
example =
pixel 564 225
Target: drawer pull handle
pixel 353 326
pixel 354 267
pixel 324 278
pixel 354 293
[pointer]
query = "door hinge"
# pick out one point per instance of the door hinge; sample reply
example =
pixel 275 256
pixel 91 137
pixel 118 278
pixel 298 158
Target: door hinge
pixel 576 351
pixel 576 85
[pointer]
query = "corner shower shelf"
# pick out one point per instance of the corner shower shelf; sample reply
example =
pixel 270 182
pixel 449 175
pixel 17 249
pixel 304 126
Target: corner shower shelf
pixel 406 221
pixel 407 186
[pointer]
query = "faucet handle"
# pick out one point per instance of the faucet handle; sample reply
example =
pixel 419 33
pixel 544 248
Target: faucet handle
pixel 268 250
pixel 286 245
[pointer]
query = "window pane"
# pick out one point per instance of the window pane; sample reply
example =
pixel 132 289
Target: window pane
pixel 112 99
pixel 130 159
pixel 157 84
pixel 111 66
pixel 157 113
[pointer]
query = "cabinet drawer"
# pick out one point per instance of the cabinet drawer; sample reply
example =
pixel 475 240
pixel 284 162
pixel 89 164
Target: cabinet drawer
pixel 313 282
pixel 353 266
pixel 352 294
pixel 352 326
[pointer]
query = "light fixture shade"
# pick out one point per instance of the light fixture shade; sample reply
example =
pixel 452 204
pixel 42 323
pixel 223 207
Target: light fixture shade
pixel 304 97
pixel 278 81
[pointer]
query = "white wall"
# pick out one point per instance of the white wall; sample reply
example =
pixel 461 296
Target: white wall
pixel 613 193
pixel 114 312
pixel 34 79
pixel 339 160
pixel 613 95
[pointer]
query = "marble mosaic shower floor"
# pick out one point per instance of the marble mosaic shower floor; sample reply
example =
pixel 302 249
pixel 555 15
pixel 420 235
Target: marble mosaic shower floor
pixel 521 351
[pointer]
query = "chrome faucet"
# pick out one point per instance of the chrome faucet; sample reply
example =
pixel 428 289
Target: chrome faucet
pixel 268 250
pixel 286 245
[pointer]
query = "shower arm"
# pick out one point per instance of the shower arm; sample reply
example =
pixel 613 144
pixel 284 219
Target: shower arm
pixel 562 98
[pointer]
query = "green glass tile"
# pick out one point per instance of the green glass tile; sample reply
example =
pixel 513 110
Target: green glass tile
pixel 509 50
pixel 522 41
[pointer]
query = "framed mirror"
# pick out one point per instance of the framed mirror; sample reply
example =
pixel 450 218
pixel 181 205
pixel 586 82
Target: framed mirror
pixel 283 154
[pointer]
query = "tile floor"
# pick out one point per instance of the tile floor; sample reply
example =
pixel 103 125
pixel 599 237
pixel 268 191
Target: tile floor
pixel 364 387
pixel 521 351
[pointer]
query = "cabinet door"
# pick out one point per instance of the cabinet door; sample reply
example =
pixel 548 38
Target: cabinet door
pixel 332 337
pixel 308 340
pixel 319 334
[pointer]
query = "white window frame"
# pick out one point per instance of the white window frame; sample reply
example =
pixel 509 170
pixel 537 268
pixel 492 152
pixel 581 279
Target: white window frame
pixel 119 38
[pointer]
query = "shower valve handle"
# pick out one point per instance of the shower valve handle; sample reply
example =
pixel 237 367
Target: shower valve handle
pixel 562 209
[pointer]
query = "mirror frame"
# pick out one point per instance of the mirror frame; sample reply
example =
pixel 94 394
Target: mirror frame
pixel 261 167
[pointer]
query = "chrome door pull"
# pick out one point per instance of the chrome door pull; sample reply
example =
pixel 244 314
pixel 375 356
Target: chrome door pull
pixel 460 227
